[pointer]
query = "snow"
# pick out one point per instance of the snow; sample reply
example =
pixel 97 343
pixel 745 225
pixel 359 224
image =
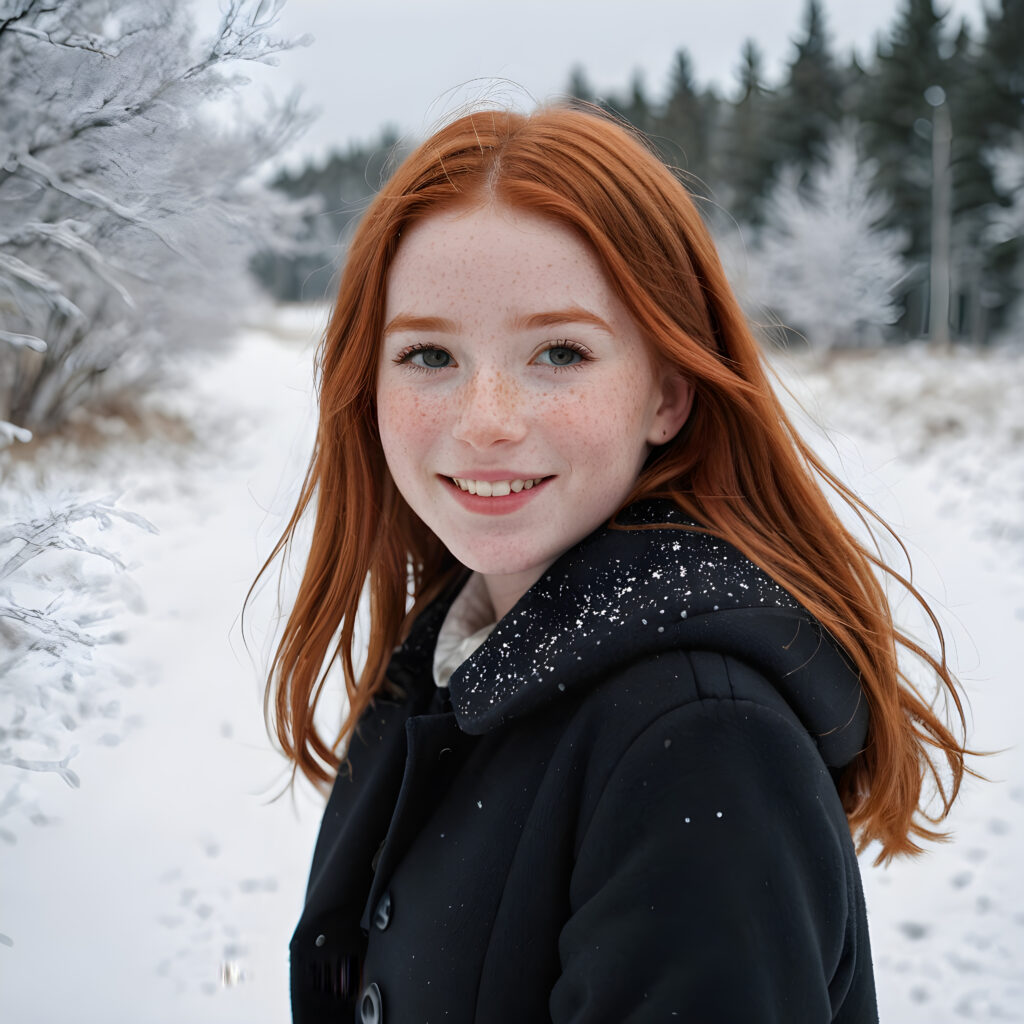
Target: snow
pixel 934 442
pixel 167 888
pixel 169 871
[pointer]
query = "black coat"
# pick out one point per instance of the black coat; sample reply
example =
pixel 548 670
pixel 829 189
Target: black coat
pixel 630 814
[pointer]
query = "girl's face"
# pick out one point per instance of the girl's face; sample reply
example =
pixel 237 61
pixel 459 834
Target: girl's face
pixel 516 398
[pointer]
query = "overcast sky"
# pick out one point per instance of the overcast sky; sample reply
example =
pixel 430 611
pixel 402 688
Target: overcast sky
pixel 409 62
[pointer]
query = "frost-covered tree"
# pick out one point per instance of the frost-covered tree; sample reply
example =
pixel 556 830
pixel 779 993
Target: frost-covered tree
pixel 827 267
pixel 130 207
pixel 58 586
pixel 1006 221
pixel 1005 227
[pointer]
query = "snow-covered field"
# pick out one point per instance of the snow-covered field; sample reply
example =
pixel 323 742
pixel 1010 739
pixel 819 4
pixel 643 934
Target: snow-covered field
pixel 167 885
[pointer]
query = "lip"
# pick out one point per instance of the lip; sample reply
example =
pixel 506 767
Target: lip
pixel 504 505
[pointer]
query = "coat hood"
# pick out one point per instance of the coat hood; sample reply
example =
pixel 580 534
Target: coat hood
pixel 622 595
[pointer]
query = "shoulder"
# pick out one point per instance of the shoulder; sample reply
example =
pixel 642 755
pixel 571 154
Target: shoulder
pixel 699 757
pixel 702 727
pixel 714 809
pixel 713 691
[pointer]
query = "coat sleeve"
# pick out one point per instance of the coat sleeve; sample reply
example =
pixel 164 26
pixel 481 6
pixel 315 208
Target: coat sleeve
pixel 714 882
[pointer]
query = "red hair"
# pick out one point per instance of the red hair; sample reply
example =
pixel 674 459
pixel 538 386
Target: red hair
pixel 738 466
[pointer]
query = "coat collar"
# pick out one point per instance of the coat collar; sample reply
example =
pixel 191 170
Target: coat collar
pixel 622 595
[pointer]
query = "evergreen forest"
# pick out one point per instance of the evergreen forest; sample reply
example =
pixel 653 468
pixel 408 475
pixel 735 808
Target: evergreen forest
pixel 858 202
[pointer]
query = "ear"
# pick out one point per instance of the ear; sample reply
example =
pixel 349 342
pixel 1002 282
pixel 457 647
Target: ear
pixel 673 409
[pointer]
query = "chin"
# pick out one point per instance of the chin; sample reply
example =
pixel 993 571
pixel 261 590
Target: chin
pixel 504 563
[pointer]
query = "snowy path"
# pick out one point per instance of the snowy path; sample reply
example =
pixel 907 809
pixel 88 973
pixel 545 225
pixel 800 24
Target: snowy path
pixel 168 873
pixel 169 868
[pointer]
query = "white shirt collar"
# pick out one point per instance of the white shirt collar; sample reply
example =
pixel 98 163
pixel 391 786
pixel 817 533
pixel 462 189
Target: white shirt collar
pixel 467 625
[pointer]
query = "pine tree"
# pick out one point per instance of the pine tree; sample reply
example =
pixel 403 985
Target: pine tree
pixel 1001 67
pixel 579 87
pixel 992 125
pixel 637 109
pixel 922 58
pixel 898 119
pixel 337 192
pixel 977 286
pixel 809 105
pixel 747 150
pixel 684 128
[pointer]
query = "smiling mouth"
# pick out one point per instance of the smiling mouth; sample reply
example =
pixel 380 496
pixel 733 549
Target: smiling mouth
pixel 495 488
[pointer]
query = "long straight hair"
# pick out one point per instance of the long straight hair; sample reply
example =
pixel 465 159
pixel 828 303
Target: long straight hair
pixel 738 467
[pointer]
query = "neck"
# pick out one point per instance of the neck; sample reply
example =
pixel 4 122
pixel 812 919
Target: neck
pixel 505 589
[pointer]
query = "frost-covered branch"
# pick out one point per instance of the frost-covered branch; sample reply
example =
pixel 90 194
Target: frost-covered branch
pixel 93 44
pixel 131 208
pixel 54 594
pixel 18 271
pixel 70 234
pixel 9 432
pixel 23 341
pixel 38 170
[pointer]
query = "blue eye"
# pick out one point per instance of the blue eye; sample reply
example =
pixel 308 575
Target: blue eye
pixel 561 355
pixel 426 358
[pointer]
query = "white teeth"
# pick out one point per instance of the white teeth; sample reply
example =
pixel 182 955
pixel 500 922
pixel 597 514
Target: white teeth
pixel 494 488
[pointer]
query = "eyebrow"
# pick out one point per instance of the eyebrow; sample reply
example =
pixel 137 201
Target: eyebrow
pixel 426 324
pixel 571 315
pixel 551 318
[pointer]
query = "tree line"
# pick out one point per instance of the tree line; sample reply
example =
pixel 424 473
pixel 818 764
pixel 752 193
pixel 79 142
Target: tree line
pixel 913 158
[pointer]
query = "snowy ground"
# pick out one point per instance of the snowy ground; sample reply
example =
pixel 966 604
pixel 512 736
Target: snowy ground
pixel 166 889
pixel 937 445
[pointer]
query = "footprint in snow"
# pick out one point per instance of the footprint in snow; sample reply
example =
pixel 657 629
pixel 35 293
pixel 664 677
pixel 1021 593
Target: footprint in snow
pixel 919 994
pixel 258 885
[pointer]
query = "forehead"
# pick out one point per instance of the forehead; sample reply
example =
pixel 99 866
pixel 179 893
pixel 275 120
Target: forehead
pixel 492 256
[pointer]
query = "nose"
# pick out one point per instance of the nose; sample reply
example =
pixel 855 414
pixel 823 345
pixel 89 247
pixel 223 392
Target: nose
pixel 490 410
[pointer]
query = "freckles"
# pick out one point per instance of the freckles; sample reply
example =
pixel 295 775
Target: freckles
pixel 403 413
pixel 505 389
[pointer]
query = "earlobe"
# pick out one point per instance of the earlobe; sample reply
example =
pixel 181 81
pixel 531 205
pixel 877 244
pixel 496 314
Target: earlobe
pixel 672 413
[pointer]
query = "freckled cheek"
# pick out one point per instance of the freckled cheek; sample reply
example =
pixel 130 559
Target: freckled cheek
pixel 600 433
pixel 598 418
pixel 405 419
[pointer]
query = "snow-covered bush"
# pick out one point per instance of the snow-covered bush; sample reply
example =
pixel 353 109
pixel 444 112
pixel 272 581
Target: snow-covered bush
pixel 129 204
pixel 822 263
pixel 57 589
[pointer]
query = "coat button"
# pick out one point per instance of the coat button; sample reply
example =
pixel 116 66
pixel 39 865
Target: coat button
pixel 371 1006
pixel 382 915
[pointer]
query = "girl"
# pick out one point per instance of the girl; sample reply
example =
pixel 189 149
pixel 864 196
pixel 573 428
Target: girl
pixel 631 699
